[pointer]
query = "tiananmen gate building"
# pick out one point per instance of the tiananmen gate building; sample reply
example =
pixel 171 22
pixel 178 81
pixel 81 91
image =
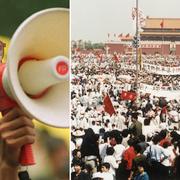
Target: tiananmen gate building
pixel 158 36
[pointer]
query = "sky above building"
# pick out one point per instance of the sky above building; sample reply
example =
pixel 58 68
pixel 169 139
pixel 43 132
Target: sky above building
pixel 94 19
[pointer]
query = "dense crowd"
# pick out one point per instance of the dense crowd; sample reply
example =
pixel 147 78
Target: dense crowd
pixel 140 140
pixel 106 68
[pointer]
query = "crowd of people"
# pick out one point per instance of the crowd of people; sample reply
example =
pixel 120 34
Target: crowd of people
pixel 141 140
pixel 168 61
pixel 126 66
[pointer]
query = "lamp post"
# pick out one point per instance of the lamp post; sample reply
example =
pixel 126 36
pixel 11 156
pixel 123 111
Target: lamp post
pixel 137 43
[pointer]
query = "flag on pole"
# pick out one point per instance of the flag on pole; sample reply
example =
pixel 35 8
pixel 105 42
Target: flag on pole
pixel 108 107
pixel 133 13
pixel 162 24
pixel 141 17
pixel 128 95
pixel 127 35
pixel 99 56
pixel 115 57
pixel 120 35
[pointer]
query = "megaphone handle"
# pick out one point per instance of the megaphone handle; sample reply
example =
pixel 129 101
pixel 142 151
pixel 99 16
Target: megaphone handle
pixel 26 156
pixel 6 103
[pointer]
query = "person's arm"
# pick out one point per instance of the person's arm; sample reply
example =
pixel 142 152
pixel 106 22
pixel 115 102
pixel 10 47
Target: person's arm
pixel 134 167
pixel 147 151
pixel 8 172
pixel 131 175
pixel 16 130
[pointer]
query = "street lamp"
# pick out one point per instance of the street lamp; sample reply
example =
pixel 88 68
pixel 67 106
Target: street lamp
pixel 137 42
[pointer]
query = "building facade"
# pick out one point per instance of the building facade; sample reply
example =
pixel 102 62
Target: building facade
pixel 158 36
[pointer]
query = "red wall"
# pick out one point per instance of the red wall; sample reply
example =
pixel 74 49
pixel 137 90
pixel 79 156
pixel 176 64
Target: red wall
pixel 122 48
pixel 119 48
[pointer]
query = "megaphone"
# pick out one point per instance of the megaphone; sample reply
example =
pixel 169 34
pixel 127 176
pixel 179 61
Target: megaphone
pixel 36 75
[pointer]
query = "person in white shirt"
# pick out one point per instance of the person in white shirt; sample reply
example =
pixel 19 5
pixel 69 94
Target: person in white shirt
pixel 105 167
pixel 97 176
pixel 157 155
pixel 111 160
pixel 155 150
pixel 167 161
pixel 102 149
pixel 95 127
pixel 126 136
pixel 118 149
pixel 121 121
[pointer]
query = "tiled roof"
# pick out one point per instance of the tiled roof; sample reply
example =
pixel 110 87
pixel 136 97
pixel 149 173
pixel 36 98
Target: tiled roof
pixel 169 23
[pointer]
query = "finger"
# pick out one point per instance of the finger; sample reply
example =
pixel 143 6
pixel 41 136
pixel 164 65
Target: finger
pixel 4 112
pixel 16 123
pixel 19 142
pixel 18 133
pixel 12 114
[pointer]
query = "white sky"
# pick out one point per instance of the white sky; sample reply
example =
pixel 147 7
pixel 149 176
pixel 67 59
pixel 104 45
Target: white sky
pixel 94 19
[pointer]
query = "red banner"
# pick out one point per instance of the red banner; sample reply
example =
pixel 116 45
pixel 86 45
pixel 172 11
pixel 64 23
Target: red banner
pixel 128 95
pixel 108 107
pixel 115 58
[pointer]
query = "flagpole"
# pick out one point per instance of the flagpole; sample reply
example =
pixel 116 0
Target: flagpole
pixel 162 30
pixel 162 42
pixel 137 29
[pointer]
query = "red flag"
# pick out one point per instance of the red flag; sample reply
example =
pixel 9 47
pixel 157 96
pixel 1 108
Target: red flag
pixel 162 24
pixel 99 56
pixel 127 35
pixel 127 95
pixel 120 35
pixel 108 107
pixel 115 58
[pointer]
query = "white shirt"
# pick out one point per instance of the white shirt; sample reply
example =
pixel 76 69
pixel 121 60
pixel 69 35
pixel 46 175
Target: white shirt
pixel 107 176
pixel 120 122
pixel 167 161
pixel 73 147
pixel 113 164
pixel 96 129
pixel 102 150
pixel 124 141
pixel 119 149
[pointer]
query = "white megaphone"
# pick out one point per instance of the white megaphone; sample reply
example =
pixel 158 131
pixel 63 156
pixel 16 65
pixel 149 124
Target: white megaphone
pixel 37 72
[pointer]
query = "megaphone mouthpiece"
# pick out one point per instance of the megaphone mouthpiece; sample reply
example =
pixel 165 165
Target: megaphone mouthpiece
pixel 38 75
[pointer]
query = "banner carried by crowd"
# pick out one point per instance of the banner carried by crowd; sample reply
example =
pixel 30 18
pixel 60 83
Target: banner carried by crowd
pixel 156 69
pixel 164 70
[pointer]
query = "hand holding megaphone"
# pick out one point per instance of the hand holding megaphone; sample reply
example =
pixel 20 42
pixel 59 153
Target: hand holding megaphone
pixel 37 71
pixel 16 130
